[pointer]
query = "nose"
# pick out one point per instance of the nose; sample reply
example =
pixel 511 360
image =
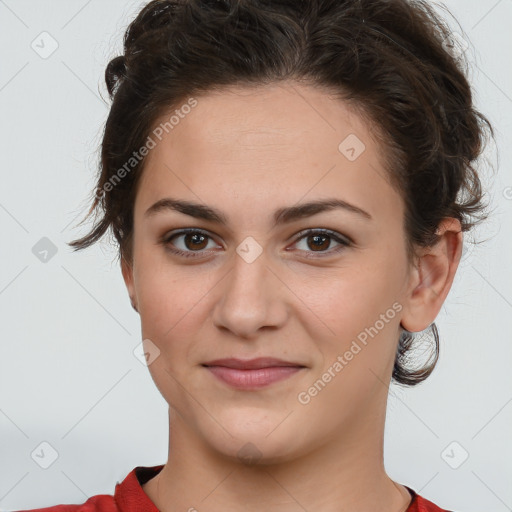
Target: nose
pixel 250 299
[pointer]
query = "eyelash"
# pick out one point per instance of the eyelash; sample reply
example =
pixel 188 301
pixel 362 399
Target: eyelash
pixel 344 242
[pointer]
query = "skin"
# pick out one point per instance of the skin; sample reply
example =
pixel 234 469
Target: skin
pixel 247 152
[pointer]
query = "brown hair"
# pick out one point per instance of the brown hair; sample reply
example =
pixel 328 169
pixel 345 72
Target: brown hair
pixel 388 58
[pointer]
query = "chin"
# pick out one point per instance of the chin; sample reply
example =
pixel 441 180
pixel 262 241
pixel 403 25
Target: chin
pixel 258 451
pixel 256 438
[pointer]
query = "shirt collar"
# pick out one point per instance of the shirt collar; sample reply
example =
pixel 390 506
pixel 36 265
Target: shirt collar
pixel 129 495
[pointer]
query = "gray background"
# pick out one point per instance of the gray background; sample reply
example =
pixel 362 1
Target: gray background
pixel 68 375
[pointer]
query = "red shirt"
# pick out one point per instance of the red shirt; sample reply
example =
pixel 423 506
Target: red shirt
pixel 130 497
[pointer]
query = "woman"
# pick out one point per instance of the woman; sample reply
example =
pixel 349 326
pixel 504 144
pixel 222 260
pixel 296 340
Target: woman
pixel 285 181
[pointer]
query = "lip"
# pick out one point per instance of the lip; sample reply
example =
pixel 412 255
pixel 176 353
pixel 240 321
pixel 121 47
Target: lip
pixel 251 364
pixel 252 373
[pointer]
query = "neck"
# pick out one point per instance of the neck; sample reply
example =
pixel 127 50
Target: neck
pixel 345 474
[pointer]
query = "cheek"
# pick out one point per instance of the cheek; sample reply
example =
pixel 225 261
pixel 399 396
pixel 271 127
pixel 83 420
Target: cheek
pixel 165 305
pixel 358 313
pixel 172 304
pixel 350 298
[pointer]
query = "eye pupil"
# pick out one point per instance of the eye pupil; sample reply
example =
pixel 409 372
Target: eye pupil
pixel 196 238
pixel 316 239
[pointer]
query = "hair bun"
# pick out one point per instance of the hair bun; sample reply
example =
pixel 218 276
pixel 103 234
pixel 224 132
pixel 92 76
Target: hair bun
pixel 115 71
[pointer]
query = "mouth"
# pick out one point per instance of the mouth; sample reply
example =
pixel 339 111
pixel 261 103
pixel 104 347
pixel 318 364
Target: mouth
pixel 252 374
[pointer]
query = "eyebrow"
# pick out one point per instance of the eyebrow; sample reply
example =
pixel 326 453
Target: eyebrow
pixel 281 216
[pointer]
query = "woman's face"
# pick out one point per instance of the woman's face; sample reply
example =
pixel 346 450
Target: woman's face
pixel 251 282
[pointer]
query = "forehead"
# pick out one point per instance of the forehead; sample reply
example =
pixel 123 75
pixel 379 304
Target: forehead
pixel 284 116
pixel 264 144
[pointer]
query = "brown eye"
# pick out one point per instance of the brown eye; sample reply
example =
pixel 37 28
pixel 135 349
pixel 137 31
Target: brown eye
pixel 191 242
pixel 195 241
pixel 320 241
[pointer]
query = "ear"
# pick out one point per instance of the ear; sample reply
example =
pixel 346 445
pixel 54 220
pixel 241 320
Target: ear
pixel 432 279
pixel 127 271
